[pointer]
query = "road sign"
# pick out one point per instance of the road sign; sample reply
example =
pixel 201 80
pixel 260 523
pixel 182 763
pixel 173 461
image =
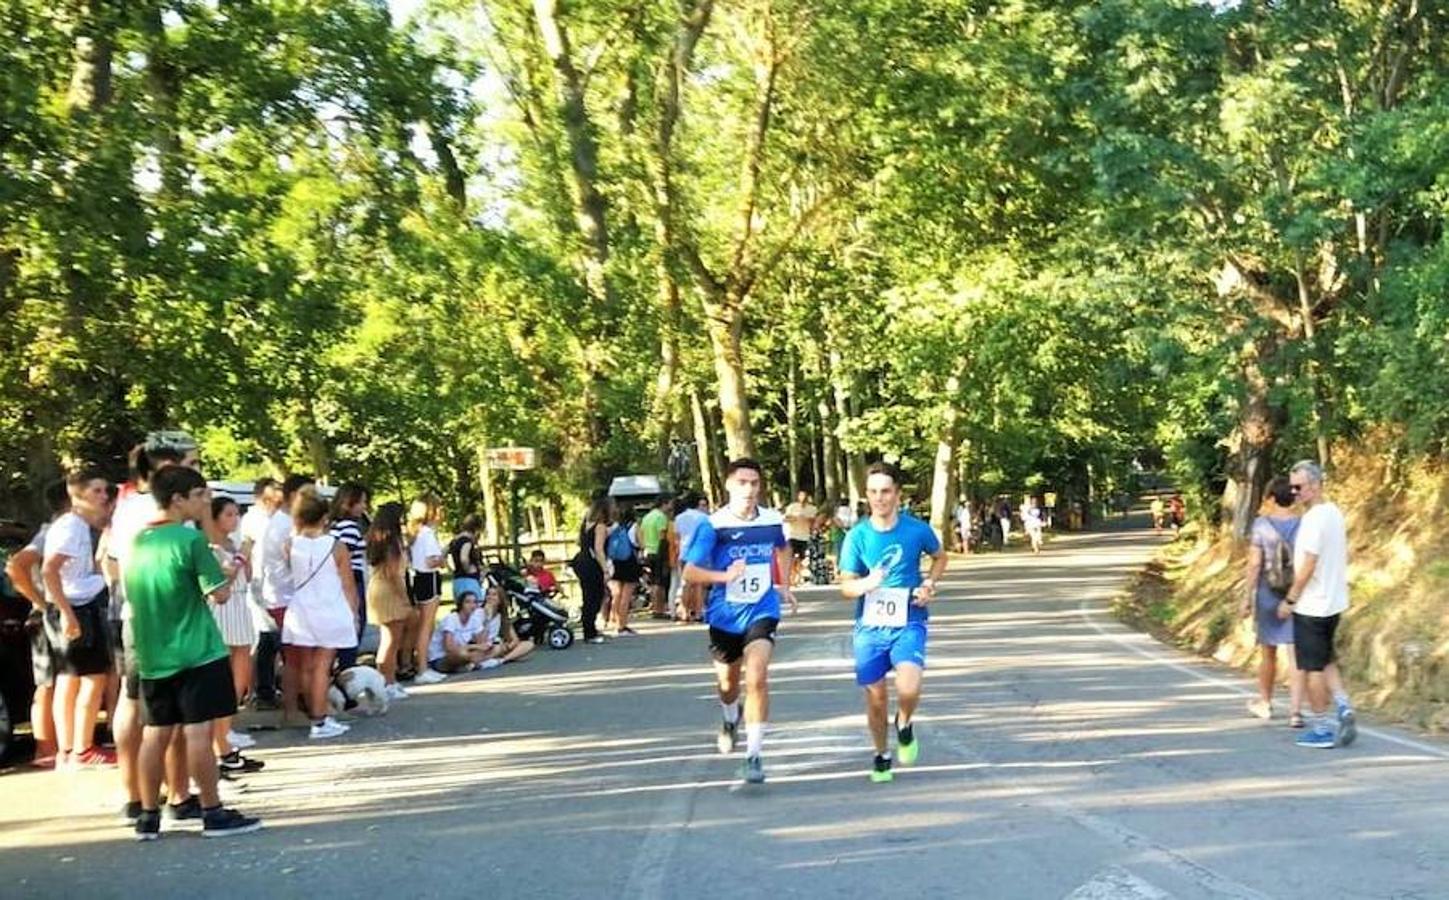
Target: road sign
pixel 511 459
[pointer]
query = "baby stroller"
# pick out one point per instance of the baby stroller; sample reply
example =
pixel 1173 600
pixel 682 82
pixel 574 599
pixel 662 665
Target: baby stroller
pixel 540 618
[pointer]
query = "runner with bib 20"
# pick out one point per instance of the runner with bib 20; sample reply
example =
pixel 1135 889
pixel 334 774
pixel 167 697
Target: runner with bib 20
pixel 742 553
pixel 881 564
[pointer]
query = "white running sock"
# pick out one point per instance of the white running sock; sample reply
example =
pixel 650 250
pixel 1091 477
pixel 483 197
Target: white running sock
pixel 731 712
pixel 754 738
pixel 1340 698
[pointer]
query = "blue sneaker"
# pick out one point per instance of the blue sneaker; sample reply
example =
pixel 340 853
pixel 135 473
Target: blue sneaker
pixel 1347 726
pixel 1317 738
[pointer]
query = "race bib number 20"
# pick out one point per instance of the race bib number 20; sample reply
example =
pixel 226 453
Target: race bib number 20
pixel 886 608
pixel 751 586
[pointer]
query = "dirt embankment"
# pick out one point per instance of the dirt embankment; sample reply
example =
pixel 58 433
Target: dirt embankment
pixel 1394 641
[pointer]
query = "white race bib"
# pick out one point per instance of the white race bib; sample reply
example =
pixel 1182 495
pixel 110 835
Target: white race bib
pixel 751 586
pixel 886 608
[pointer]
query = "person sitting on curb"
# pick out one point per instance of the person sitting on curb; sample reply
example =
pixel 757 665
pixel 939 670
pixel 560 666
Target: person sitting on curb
pixel 504 646
pixel 459 644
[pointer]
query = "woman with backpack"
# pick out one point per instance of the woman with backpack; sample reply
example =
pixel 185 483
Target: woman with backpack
pixel 1268 575
pixel 591 564
pixel 623 549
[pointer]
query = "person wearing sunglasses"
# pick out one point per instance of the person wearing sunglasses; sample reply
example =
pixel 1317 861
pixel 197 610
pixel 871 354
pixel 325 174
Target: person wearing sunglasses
pixel 1316 601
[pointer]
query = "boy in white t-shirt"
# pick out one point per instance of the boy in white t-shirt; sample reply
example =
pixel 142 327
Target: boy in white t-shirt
pixel 1316 600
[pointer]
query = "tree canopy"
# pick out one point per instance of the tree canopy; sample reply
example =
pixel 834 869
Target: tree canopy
pixel 1011 244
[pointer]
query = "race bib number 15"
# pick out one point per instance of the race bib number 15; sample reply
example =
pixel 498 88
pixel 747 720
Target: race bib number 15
pixel 886 608
pixel 751 586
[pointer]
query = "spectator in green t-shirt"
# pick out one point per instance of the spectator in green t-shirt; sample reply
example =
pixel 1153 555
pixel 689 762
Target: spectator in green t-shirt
pixel 184 666
pixel 652 529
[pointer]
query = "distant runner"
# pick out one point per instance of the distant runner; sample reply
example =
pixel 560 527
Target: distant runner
pixel 881 567
pixel 742 552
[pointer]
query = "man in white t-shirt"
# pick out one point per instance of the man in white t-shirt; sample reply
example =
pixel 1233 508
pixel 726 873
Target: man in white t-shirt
pixel 1316 600
pixel 267 500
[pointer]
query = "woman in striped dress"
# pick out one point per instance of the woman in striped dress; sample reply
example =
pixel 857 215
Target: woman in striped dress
pixel 233 618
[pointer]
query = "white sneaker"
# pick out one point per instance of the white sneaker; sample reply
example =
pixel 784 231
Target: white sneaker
pixel 396 691
pixel 343 725
pixel 1260 709
pixel 326 729
pixel 239 741
pixel 430 676
pixel 490 664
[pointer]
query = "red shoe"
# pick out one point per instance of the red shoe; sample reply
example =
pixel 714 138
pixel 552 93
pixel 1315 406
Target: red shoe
pixel 43 762
pixel 94 758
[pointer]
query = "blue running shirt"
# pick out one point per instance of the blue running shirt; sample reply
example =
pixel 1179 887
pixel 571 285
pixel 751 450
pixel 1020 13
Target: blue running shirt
pixel 721 540
pixel 899 551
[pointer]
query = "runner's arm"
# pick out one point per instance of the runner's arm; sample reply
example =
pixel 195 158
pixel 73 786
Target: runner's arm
pixel 859 586
pixel 927 591
pixel 699 575
pixel 785 563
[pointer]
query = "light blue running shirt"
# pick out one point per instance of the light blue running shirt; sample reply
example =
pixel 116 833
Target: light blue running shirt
pixel 899 551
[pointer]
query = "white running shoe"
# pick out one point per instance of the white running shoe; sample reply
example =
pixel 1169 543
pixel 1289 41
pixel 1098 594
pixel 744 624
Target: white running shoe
pixel 490 664
pixel 343 725
pixel 239 741
pixel 325 729
pixel 430 676
pixel 396 691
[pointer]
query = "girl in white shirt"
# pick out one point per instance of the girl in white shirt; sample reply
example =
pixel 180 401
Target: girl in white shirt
pixel 426 558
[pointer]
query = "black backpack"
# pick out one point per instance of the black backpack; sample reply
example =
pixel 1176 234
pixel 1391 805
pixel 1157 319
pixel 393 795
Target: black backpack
pixel 1278 565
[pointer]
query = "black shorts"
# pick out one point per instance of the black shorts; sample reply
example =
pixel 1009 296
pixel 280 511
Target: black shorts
pixel 799 548
pixel 627 571
pixel 659 570
pixel 425 587
pixel 43 664
pixel 728 647
pixel 1313 641
pixel 89 654
pixel 190 697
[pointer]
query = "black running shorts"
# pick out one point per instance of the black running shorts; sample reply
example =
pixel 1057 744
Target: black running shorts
pixel 90 652
pixel 728 647
pixel 1313 641
pixel 190 697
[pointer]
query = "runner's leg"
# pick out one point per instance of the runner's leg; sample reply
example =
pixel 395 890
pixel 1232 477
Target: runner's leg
pixel 876 703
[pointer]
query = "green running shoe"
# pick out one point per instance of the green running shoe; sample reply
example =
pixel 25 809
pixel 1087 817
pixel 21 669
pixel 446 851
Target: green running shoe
pixel 880 772
pixel 907 746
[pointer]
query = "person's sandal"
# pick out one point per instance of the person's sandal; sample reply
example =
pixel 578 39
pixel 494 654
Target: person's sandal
pixel 1295 720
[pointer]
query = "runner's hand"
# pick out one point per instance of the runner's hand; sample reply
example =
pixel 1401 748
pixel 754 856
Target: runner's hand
pixel 71 626
pixel 874 579
pixel 925 593
pixel 789 595
pixel 736 570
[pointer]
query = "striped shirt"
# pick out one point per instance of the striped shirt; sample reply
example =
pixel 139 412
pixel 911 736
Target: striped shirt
pixel 349 532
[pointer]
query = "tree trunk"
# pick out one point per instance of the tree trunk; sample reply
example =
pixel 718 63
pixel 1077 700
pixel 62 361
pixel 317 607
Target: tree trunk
pixel 853 463
pixel 943 476
pixel 1256 434
pixel 490 497
pixel 702 445
pixel 590 209
pixel 792 430
pixel 726 327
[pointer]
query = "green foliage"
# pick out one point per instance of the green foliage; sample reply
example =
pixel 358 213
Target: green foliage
pixel 1055 236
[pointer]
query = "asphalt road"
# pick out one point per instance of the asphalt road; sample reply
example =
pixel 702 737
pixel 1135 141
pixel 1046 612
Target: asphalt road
pixel 1063 756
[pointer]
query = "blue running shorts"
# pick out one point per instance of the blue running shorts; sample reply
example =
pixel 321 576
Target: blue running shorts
pixel 878 650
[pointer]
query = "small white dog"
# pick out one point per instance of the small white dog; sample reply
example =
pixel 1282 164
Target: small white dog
pixel 364 686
